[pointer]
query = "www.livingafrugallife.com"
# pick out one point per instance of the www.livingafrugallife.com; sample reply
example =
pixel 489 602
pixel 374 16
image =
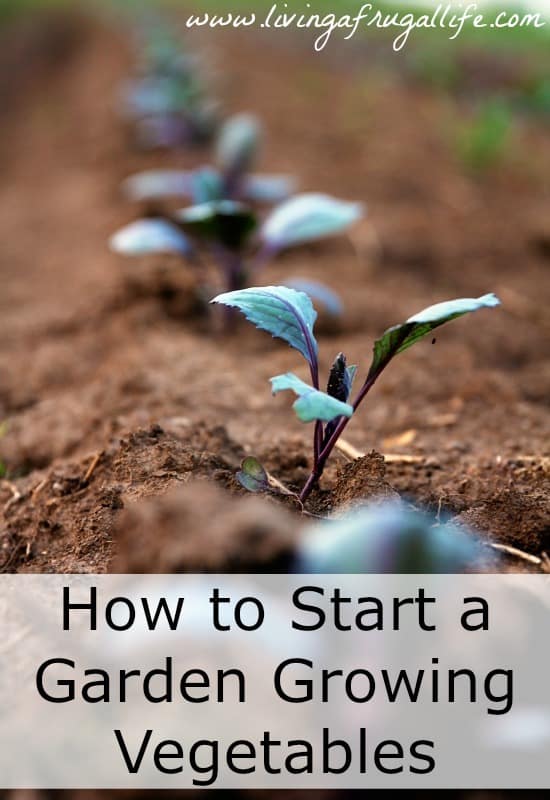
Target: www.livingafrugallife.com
pixel 452 18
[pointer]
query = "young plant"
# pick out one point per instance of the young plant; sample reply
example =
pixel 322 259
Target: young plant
pixel 229 178
pixel 289 315
pixel 231 233
pixel 385 538
pixel 167 100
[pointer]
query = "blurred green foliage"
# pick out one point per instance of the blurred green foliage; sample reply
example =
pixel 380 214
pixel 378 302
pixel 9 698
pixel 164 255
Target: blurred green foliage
pixel 482 140
pixel 536 96
pixel 435 65
pixel 11 8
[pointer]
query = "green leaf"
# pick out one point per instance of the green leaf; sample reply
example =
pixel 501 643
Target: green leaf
pixel 238 143
pixel 146 236
pixel 319 293
pixel 202 185
pixel 252 476
pixel 207 185
pixel 307 217
pixel 284 313
pixel 386 538
pixel 351 372
pixel 267 188
pixel 223 221
pixel 312 404
pixel 400 337
pixel 157 183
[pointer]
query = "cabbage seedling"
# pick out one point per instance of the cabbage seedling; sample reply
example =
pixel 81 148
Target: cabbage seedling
pixel 230 178
pixel 167 100
pixel 385 538
pixel 289 315
pixel 231 233
pixel 220 221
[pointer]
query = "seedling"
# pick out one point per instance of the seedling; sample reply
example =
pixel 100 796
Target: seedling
pixel 231 233
pixel 230 177
pixel 289 315
pixel 222 224
pixel 385 538
pixel 167 100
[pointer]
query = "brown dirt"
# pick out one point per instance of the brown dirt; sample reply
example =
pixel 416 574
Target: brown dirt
pixel 362 481
pixel 200 529
pixel 108 359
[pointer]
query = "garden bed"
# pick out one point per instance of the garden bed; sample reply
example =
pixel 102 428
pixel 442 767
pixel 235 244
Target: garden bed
pixel 115 395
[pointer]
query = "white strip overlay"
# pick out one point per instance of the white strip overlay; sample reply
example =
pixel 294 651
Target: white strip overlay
pixel 275 681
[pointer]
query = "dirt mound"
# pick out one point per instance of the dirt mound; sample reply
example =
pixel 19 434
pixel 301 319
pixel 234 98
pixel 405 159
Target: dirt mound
pixel 199 528
pixel 514 518
pixel 361 481
pixel 61 519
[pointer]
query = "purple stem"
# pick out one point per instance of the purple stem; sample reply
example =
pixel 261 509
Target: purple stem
pixel 318 432
pixel 233 183
pixel 232 267
pixel 321 456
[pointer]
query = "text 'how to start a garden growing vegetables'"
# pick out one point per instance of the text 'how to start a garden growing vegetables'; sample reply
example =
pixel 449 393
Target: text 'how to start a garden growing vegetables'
pixel 264 681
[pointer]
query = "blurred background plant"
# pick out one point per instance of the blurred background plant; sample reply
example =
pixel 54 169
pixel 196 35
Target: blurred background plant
pixel 388 537
pixel 237 240
pixel 167 100
pixel 228 178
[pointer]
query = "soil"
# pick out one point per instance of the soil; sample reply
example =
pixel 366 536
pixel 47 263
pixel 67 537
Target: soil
pixel 124 406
